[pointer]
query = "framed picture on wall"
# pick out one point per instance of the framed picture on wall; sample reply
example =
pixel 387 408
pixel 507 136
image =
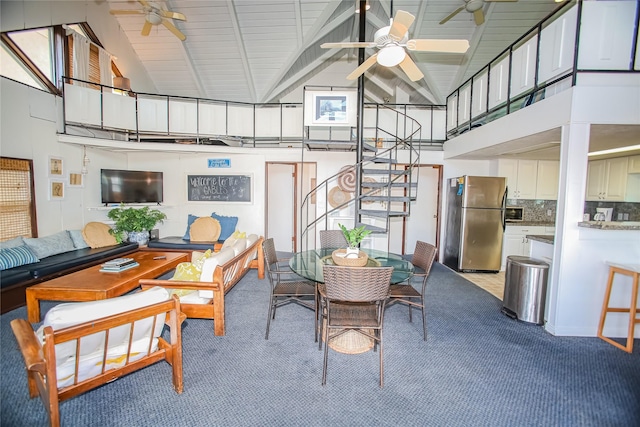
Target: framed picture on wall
pixel 56 189
pixel 76 179
pixel 330 108
pixel 56 167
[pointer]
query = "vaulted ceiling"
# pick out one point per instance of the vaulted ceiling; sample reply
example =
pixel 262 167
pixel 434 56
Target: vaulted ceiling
pixel 266 50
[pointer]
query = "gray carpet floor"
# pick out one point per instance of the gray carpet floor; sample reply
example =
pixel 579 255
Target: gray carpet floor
pixel 477 368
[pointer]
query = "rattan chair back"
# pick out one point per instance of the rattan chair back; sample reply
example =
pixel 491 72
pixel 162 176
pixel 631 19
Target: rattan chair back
pixel 286 286
pixel 423 257
pixel 332 239
pixel 357 284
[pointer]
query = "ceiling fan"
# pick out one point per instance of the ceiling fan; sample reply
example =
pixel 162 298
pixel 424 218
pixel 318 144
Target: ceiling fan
pixel 393 41
pixel 155 14
pixel 475 7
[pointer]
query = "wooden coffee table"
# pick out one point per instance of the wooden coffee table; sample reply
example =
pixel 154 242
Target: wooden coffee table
pixel 90 284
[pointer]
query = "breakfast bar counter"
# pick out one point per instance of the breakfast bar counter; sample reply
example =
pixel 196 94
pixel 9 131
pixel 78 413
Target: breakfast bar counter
pixel 611 225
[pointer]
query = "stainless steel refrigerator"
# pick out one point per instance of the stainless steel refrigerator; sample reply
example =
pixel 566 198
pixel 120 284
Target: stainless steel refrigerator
pixel 475 223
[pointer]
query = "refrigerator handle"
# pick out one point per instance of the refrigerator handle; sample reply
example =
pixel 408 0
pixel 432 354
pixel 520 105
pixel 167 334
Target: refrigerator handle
pixel 504 207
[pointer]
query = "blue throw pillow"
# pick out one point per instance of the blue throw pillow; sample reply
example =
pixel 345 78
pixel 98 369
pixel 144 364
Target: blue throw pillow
pixel 16 256
pixel 227 225
pixel 190 220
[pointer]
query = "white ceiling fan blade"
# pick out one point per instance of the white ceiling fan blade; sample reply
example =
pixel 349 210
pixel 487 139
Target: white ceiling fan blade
pixel 438 45
pixel 126 12
pixel 347 45
pixel 401 23
pixel 146 28
pixel 452 14
pixel 478 16
pixel 363 67
pixel 173 15
pixel 411 69
pixel 174 30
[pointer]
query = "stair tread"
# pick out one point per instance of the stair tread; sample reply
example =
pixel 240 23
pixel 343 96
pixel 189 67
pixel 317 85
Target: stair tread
pixel 380 213
pixel 385 171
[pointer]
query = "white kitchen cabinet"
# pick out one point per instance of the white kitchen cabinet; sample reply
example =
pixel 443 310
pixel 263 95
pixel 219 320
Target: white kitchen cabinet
pixel 521 177
pixel 607 179
pixel 547 182
pixel 515 241
pixel 634 164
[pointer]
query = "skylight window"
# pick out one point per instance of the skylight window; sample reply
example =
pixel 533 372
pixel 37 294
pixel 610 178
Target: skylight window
pixel 12 68
pixel 36 44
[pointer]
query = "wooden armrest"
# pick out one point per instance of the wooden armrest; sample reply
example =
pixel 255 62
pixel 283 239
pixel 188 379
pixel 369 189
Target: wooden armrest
pixel 179 284
pixel 29 345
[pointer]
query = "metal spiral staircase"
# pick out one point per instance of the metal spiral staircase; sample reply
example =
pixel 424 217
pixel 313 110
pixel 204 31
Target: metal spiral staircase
pixel 381 183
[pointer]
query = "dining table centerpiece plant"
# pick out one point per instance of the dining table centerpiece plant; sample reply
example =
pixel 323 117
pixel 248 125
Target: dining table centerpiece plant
pixel 134 224
pixel 352 255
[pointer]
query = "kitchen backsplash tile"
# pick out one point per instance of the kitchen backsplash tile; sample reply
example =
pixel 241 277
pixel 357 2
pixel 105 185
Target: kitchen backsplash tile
pixel 629 211
pixel 536 210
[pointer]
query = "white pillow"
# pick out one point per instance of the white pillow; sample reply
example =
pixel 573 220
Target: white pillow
pixel 239 246
pixel 229 242
pixel 70 314
pixel 212 262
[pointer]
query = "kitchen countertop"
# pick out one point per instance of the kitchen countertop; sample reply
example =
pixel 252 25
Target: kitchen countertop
pixel 611 225
pixel 531 223
pixel 541 238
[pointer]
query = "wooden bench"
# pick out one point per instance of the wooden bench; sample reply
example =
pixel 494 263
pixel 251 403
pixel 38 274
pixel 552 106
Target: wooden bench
pixel 128 349
pixel 225 276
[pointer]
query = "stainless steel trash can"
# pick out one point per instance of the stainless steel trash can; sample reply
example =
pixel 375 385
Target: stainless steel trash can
pixel 525 289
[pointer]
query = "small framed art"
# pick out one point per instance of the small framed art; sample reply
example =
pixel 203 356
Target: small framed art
pixel 56 167
pixel 76 179
pixel 56 189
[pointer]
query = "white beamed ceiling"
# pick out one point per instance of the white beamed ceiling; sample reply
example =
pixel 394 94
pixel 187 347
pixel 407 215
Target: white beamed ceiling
pixel 262 50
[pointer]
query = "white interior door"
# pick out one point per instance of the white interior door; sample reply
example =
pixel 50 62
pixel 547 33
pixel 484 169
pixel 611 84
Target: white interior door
pixel 280 207
pixel 422 224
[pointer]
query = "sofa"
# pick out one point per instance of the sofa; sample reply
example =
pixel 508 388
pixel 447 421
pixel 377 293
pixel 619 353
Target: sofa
pixel 66 356
pixel 203 283
pixel 29 261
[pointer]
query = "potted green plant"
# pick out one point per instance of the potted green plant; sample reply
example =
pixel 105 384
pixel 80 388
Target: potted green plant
pixel 354 237
pixel 134 224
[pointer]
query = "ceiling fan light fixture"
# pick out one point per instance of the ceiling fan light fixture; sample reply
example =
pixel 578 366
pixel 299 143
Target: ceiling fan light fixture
pixel 154 18
pixel 390 56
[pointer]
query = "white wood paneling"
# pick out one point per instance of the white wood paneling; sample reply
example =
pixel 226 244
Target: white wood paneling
pixel 523 67
pixel 268 121
pixel 557 43
pixel 183 116
pixel 464 104
pixel 452 112
pixel 119 112
pixel 479 94
pixel 152 114
pixel 240 120
pixel 498 82
pixel 213 118
pixel 82 105
pixel 292 122
pixel 606 35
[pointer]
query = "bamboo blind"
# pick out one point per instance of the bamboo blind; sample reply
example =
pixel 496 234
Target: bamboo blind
pixel 94 62
pixel 17 210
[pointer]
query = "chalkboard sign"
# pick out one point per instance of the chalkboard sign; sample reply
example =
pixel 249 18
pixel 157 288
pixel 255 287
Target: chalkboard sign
pixel 219 188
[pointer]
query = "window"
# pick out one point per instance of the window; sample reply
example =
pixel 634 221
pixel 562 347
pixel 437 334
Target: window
pixel 36 44
pixel 17 201
pixel 12 68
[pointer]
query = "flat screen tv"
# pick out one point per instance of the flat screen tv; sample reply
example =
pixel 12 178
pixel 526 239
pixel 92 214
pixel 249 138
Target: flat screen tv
pixel 123 186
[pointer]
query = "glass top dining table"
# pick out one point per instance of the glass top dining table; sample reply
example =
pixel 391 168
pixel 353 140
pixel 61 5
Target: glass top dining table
pixel 308 264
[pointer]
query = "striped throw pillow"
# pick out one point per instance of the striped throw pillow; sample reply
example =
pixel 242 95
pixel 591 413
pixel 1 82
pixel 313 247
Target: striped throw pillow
pixel 15 257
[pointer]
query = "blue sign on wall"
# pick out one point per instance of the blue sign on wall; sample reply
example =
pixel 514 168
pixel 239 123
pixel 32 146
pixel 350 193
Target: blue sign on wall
pixel 219 163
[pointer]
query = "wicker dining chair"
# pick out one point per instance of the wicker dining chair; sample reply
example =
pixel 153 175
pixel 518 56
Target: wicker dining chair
pixel 353 299
pixel 404 293
pixel 286 286
pixel 332 239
